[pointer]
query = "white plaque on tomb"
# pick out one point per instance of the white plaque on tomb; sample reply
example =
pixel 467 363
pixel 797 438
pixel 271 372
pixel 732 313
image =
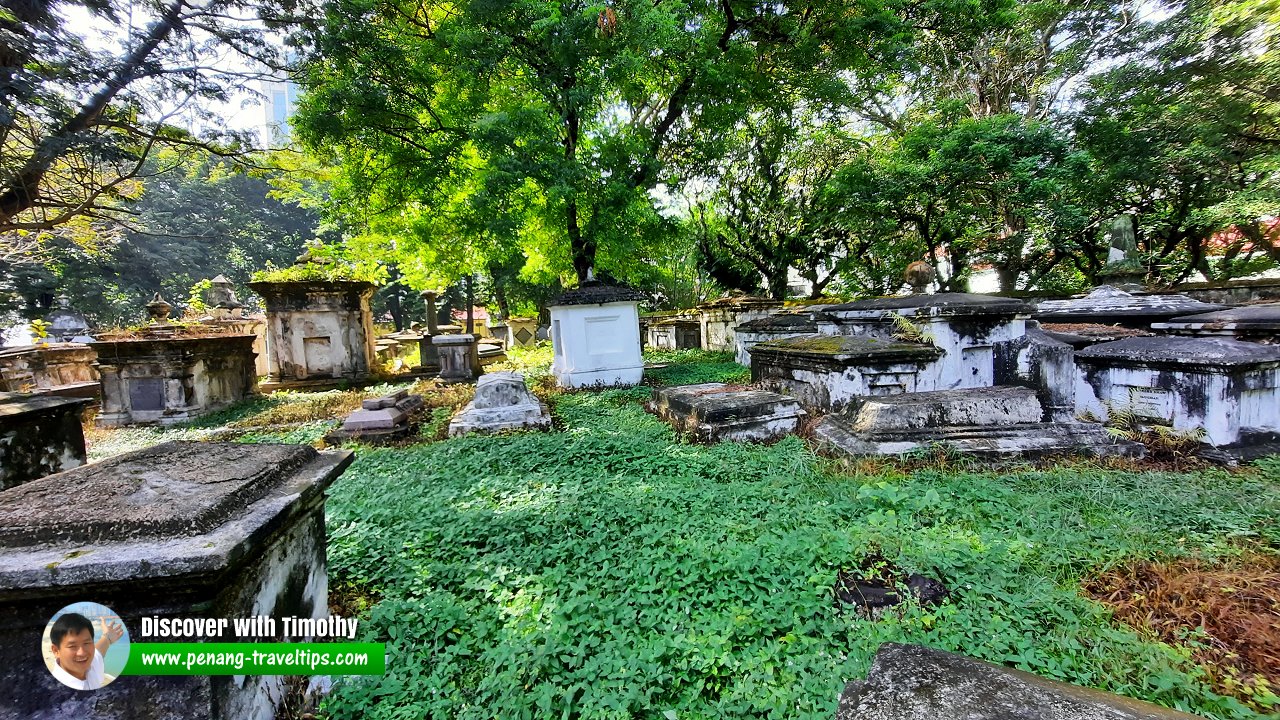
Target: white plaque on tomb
pixel 1151 403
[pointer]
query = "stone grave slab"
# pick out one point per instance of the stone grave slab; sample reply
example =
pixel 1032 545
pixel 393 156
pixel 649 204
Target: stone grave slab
pixel 716 411
pixel 996 423
pixel 1109 305
pixel 912 682
pixel 829 371
pixel 39 436
pixel 502 402
pixel 180 530
pixel 380 420
pixel 1257 323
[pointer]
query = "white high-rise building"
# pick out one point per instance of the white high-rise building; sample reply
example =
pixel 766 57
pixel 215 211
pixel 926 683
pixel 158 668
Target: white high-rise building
pixel 282 97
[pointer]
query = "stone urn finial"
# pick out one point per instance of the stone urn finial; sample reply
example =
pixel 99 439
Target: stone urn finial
pixel 920 275
pixel 159 310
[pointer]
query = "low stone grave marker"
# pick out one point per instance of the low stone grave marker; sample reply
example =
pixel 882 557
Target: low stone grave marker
pixel 716 411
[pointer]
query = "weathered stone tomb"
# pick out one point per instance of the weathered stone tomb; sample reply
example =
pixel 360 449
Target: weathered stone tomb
pixel 1255 323
pixel 502 402
pixel 64 369
pixel 39 436
pixel 1229 388
pixel 179 530
pixel 380 420
pixel 716 411
pixel 318 332
pixel 1109 305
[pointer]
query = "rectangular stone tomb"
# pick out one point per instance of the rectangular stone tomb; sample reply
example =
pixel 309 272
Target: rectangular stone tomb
pixel 502 402
pixel 317 332
pixel 380 420
pixel 1229 388
pixel 39 436
pixel 829 371
pixel 179 530
pixel 715 411
pixel 166 380
pixel 912 682
pixel 994 422
pixel 1256 323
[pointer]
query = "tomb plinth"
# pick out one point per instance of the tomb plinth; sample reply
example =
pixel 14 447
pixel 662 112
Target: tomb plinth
pixel 1230 388
pixel 62 369
pixel 828 371
pixel 993 422
pixel 595 333
pixel 1113 306
pixel 380 421
pixel 772 327
pixel 719 318
pixel 502 402
pixel 459 357
pixel 318 333
pixel 179 530
pixel 1254 323
pixel 39 436
pixel 716 411
pixel 171 379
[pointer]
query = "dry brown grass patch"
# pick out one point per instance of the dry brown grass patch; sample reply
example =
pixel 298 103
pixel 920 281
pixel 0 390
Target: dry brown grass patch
pixel 1232 605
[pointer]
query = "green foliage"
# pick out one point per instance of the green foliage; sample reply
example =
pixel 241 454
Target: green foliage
pixel 610 570
pixel 325 263
pixel 690 367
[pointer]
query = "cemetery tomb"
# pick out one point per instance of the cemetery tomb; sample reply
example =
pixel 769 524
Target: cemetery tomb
pixel 913 682
pixel 716 411
pixel 1255 323
pixel 502 402
pixel 179 530
pixel 595 333
pixel 1040 361
pixel 993 422
pixel 964 327
pixel 719 318
pixel 226 315
pixel 63 369
pixel 39 436
pixel 380 420
pixel 1229 388
pixel 1108 305
pixel 522 332
pixel 829 371
pixel 164 374
pixel 459 357
pixel 1082 335
pixel 318 332
pixel 65 324
pixel 673 330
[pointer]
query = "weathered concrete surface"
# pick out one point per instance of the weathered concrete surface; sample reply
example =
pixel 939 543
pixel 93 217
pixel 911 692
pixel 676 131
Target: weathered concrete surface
pixel 672 330
pixel 1106 304
pixel 502 402
pixel 996 423
pixel 773 327
pixel 911 411
pixel 1228 388
pixel 715 411
pixel 1082 335
pixel 266 558
pixel 1043 363
pixel 1256 323
pixel 720 317
pixel 935 305
pixel 39 436
pixel 910 682
pixel 829 371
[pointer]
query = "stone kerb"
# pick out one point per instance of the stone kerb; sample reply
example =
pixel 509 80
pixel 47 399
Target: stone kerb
pixel 318 332
pixel 911 682
pixel 177 530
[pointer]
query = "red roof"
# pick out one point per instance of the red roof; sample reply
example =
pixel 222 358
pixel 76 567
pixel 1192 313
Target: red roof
pixel 478 313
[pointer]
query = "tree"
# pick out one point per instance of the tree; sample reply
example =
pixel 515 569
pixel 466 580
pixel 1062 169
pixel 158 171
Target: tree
pixel 79 122
pixel 558 117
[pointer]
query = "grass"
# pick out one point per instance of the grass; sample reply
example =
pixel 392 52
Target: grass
pixel 611 570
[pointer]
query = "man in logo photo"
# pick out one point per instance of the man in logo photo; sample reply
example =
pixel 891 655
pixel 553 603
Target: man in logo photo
pixel 78 660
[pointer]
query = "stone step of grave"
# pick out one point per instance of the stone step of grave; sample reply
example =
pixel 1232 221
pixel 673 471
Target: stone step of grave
pixel 716 411
pixel 975 406
pixel 911 682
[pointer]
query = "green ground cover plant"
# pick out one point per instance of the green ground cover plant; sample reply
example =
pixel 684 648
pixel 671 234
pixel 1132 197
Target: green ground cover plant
pixel 613 571
pixel 610 569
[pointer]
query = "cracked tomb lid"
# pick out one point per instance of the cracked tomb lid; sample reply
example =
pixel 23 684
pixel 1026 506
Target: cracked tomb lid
pixel 594 292
pixel 1107 304
pixel 176 489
